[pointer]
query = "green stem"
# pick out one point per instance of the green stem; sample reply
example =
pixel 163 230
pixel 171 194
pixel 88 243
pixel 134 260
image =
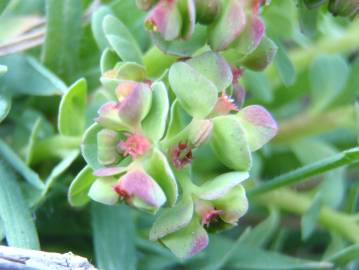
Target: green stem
pixel 294 202
pixel 302 57
pixel 55 146
pixel 308 124
pixel 347 157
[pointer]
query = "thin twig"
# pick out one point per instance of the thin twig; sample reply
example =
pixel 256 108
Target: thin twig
pixel 24 259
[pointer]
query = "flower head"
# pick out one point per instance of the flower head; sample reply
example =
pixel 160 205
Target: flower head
pixel 135 145
pixel 181 155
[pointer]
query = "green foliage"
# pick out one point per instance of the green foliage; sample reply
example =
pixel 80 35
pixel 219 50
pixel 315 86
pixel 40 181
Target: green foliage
pixel 151 78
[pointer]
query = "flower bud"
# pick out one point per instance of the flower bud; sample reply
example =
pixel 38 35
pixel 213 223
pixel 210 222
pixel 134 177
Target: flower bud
pixel 101 191
pixel 344 7
pixel 165 18
pixel 135 102
pixel 199 132
pixel 234 205
pixel 137 188
pixel 107 147
pixel 207 11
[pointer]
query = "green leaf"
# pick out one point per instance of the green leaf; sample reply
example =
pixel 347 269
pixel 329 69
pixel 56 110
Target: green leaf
pixel 3 5
pixel 5 105
pixel 284 66
pixel 172 219
pixel 19 227
pixel 328 75
pixel 72 110
pixel 121 40
pixel 108 60
pixel 159 169
pixel 258 84
pixel 261 234
pixel 182 48
pixel 89 146
pixel 39 80
pixel 262 56
pixel 229 143
pixel 344 256
pixel 177 120
pixel 30 149
pixel 221 184
pixel 154 124
pixel 3 70
pixel 196 94
pixel 10 156
pixel 280 18
pixel 247 258
pixel 310 218
pixel 80 186
pixel 62 42
pixel 114 237
pixel 59 169
pixel 96 26
pixel 214 68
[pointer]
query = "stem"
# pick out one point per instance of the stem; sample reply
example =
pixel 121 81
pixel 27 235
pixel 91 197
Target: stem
pixel 346 157
pixel 56 146
pixel 294 202
pixel 302 57
pixel 183 177
pixel 308 124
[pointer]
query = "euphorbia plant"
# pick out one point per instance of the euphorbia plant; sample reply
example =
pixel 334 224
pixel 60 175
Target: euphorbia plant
pixel 141 147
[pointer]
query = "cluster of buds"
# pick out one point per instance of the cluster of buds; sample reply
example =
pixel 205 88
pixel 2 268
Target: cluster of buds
pixel 345 8
pixel 147 137
pixel 233 27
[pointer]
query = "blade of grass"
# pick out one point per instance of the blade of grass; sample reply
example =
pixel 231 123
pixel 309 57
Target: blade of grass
pixel 114 237
pixel 10 156
pixel 346 157
pixel 19 228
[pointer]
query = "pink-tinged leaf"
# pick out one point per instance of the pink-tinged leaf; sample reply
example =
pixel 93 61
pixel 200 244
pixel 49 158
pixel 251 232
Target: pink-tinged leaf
pixel 234 205
pixel 139 189
pixel 101 191
pixel 258 124
pixel 173 219
pixel 109 117
pixel 251 36
pixel 165 18
pixel 109 171
pixel 134 101
pixel 229 26
pixel 188 241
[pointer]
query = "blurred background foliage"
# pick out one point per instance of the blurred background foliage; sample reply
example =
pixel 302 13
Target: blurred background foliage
pixel 310 88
